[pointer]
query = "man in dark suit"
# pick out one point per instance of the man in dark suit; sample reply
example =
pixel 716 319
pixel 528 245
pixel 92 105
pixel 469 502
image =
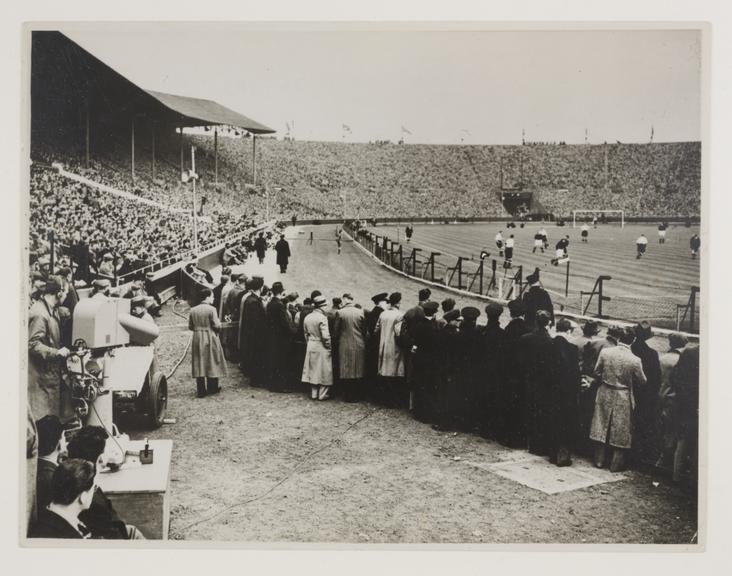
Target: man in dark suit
pixel 491 368
pixel 253 335
pixel 73 489
pixel 564 399
pixel 425 364
pixel 539 358
pixel 511 389
pixel 647 416
pixel 280 343
pixel 51 444
pixel 535 299
pixel 372 342
pixel 100 516
pixel 260 247
pixel 283 254
pixel 230 308
pixel 223 281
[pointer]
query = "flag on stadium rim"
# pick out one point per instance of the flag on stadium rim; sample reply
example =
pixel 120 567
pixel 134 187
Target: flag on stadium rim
pixel 346 128
pixel 405 131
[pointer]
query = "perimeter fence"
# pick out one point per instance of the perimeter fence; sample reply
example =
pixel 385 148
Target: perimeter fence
pixel 493 280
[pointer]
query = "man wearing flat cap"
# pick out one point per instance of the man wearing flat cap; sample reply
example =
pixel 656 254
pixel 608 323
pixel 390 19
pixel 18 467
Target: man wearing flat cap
pixel 100 288
pixel 511 391
pixel 46 355
pixel 535 299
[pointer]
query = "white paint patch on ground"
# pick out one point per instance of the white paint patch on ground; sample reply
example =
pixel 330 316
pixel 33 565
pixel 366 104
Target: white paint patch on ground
pixel 538 473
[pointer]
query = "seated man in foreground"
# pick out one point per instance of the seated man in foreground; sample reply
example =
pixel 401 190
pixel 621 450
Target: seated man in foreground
pixel 72 493
pixel 101 518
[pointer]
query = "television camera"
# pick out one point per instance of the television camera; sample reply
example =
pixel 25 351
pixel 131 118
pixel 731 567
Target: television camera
pixel 111 367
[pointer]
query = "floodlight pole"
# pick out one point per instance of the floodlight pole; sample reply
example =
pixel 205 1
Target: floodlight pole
pixel 254 159
pixel 266 196
pixel 195 216
pixel 153 152
pixel 216 156
pixel 87 135
pixel 132 141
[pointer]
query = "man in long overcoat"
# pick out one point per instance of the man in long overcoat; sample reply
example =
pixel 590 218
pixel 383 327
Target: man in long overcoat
pixel 317 369
pixel 350 333
pixel 564 399
pixel 280 342
pixel 260 247
pixel 391 356
pixel 253 335
pixel 535 299
pixel 667 398
pixel 207 355
pixel 283 254
pixel 540 380
pixel 372 342
pixel 511 392
pixel 230 306
pixel 46 354
pixel 218 290
pixel 620 373
pixel 647 414
pixel 469 384
pixel 491 372
pixel 685 382
pixel 447 359
pixel 425 365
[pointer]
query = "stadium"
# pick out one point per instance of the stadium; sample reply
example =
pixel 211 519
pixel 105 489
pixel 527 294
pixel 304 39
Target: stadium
pixel 155 200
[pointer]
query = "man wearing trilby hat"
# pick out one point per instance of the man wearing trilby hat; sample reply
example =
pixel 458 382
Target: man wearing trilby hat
pixel 318 366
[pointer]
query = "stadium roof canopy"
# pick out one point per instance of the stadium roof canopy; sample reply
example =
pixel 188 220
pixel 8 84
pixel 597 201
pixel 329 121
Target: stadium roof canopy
pixel 207 112
pixel 69 84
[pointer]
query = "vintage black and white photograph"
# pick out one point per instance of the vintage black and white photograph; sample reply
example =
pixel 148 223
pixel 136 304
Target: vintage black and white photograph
pixel 363 284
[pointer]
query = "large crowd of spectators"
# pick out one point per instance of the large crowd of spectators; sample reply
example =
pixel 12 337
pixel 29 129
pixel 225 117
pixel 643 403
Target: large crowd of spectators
pixel 110 235
pixel 332 179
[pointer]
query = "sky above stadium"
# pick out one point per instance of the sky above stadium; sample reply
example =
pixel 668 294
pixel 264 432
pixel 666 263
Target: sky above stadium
pixel 427 86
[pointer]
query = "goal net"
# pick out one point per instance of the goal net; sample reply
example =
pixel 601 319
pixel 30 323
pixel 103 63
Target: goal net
pixel 580 217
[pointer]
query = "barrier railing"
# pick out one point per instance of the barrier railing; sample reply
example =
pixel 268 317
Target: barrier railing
pixel 472 276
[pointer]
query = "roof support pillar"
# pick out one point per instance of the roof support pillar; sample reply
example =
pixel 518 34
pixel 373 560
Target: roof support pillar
pixel 180 139
pixel 254 159
pixel 152 167
pixel 87 135
pixel 216 155
pixel 132 141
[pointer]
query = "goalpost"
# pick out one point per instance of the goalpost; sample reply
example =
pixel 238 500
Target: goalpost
pixel 591 213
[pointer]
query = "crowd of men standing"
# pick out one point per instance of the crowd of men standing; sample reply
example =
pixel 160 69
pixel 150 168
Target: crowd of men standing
pixel 529 384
